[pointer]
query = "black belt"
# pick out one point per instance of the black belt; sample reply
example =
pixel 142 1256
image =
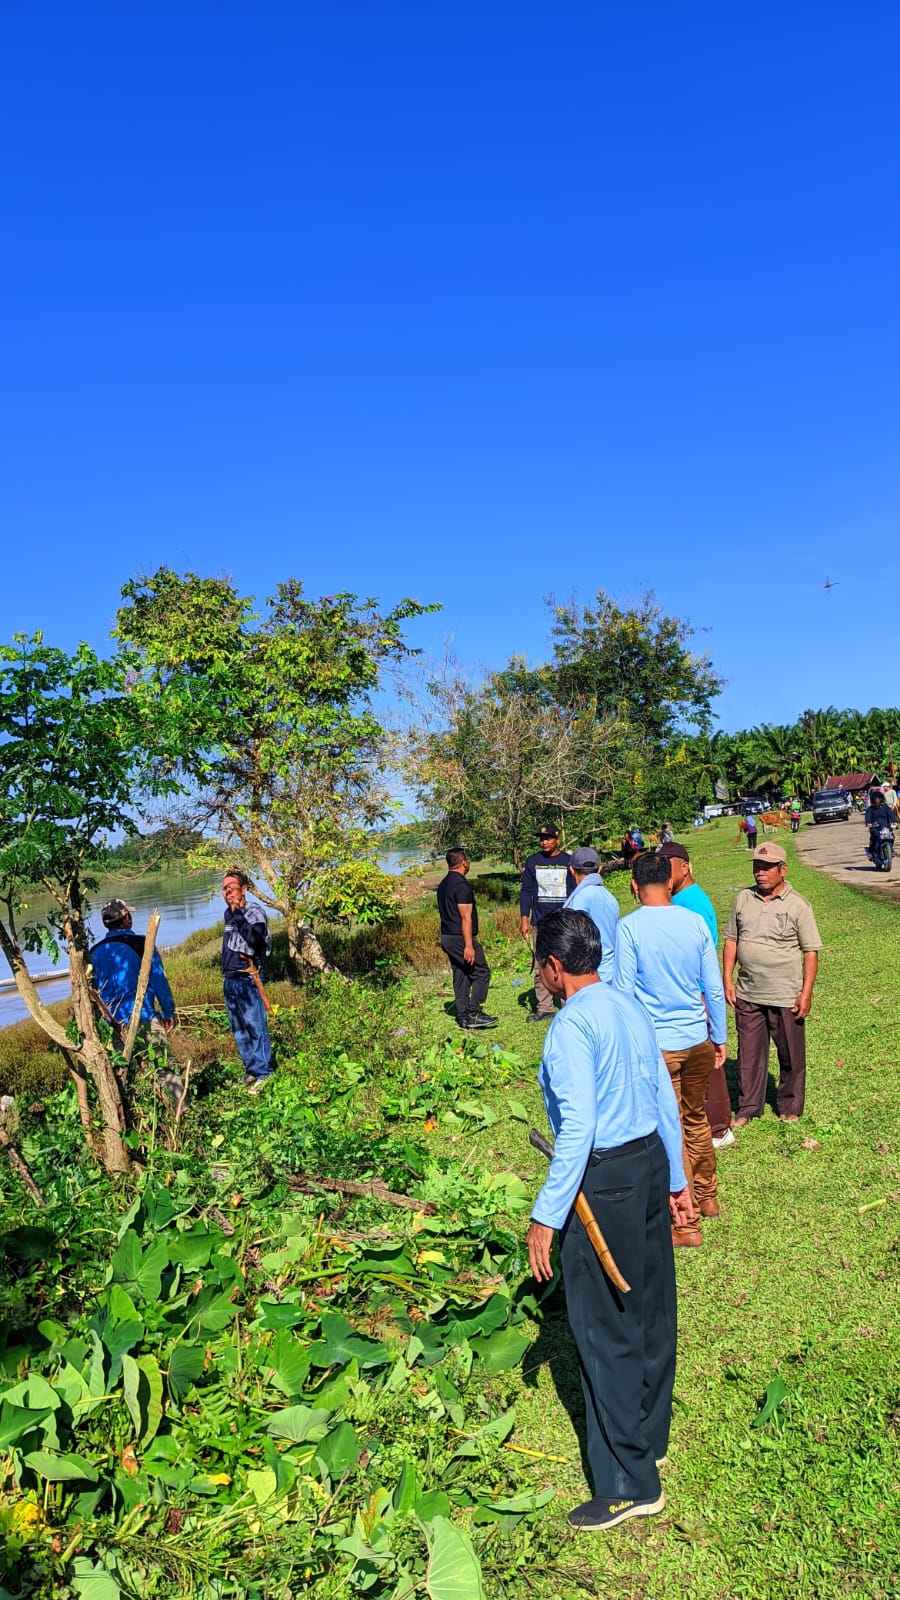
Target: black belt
pixel 646 1142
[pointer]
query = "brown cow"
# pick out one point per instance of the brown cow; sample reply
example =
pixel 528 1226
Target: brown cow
pixel 773 819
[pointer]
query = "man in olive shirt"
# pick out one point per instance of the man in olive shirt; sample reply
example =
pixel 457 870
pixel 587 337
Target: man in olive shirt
pixel 773 937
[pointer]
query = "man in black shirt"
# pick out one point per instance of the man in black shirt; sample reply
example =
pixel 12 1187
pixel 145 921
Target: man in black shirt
pixel 459 925
pixel 546 885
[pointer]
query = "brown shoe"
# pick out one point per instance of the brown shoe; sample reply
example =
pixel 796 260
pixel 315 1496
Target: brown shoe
pixel 686 1236
pixel 709 1208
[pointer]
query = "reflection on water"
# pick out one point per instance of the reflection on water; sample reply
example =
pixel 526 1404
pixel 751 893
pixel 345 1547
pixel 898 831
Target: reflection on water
pixel 186 901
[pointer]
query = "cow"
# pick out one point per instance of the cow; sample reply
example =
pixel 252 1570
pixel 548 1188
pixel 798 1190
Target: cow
pixel 773 820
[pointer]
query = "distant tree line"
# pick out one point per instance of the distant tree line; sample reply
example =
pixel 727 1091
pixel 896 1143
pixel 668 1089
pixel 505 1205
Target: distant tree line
pixel 797 758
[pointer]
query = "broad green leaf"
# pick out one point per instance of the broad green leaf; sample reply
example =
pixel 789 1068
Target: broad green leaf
pixel 776 1394
pixel 433 1504
pixel 298 1423
pixel 289 1361
pixel 516 1110
pixel 277 1315
pixel 60 1468
pixel 151 1397
pixel 500 1351
pixel 262 1483
pixel 126 1258
pixel 405 1492
pixel 92 1583
pixel 519 1504
pixel 463 1324
pixel 339 1450
pixel 16 1421
pixel 193 1248
pixel 185 1367
pixel 340 1342
pixel 131 1378
pixel 454 1571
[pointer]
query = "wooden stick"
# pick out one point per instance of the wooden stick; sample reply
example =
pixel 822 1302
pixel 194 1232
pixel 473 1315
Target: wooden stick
pixel 253 971
pixel 142 984
pixel 375 1189
pixel 588 1221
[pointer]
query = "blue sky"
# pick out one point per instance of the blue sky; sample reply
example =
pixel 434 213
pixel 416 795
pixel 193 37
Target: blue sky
pixel 473 303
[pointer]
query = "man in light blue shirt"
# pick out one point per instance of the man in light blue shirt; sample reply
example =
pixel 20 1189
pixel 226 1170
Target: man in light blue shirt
pixel 689 895
pixel 591 895
pixel 611 1106
pixel 666 959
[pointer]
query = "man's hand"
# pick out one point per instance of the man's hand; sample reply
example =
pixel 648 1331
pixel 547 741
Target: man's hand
pixel 681 1208
pixel 730 991
pixel 468 954
pixel 168 1024
pixel 235 895
pixel 525 929
pixel 539 1241
pixel 721 1054
pixel 801 1005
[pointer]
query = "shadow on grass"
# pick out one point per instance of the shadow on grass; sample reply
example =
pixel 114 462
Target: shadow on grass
pixel 554 1348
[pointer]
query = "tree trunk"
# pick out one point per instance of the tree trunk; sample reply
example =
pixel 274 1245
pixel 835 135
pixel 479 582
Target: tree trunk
pixel 304 950
pixel 95 1059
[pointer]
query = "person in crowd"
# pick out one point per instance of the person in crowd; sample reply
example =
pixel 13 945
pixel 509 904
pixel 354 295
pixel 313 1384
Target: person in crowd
pixel 546 883
pixel 889 795
pixel 666 960
pixel 772 937
pixel 666 833
pixel 686 892
pixel 626 849
pixel 611 1107
pixel 750 830
pixel 116 963
pixel 878 814
pixel 591 895
pixel 246 942
pixel 459 928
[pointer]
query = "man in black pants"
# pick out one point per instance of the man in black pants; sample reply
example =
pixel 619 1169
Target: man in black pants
pixel 459 925
pixel 611 1106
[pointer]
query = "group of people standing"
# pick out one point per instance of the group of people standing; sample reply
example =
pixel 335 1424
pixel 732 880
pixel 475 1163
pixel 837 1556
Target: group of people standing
pixel 633 1080
pixel 246 944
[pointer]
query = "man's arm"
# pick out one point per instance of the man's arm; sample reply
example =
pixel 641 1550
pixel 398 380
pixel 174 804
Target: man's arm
pixel 625 971
pixel 729 957
pixel 526 899
pixel 159 990
pixel 464 907
pixel 803 1001
pixel 713 991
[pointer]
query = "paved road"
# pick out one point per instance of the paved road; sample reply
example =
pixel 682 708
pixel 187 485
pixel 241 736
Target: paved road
pixel 839 849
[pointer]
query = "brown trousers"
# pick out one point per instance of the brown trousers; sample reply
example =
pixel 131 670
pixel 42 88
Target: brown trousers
pixel 689 1070
pixel 756 1025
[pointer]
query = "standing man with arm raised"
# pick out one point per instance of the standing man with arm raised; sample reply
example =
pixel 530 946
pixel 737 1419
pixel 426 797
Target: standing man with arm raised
pixel 459 927
pixel 610 1104
pixel 772 937
pixel 246 942
pixel 546 882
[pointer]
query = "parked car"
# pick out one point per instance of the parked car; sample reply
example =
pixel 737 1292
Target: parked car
pixel 752 807
pixel 830 805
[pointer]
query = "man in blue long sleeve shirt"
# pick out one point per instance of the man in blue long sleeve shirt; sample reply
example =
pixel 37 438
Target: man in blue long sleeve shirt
pixel 666 959
pixel 116 963
pixel 245 944
pixel 591 895
pixel 611 1106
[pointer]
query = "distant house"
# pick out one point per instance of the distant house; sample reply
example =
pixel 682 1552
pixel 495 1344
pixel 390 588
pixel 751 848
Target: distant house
pixel 854 782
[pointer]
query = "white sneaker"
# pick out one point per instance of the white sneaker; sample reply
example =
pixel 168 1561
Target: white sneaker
pixel 726 1139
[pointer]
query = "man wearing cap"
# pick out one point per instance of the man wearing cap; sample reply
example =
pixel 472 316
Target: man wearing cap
pixel 687 893
pixel 546 884
pixel 773 938
pixel 116 962
pixel 591 895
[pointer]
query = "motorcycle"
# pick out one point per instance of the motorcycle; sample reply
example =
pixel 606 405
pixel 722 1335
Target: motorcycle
pixel 881 847
pixel 795 821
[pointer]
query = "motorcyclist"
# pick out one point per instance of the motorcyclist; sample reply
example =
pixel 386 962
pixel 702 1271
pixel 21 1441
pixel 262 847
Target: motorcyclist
pixel 877 816
pixel 795 816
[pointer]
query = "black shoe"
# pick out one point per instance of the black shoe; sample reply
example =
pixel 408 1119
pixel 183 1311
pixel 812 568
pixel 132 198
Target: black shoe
pixel 478 1021
pixel 486 1017
pixel 540 1016
pixel 596 1515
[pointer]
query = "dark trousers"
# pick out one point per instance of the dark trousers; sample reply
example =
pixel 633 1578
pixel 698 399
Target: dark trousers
pixel 250 1026
pixel 756 1025
pixel 718 1102
pixel 471 980
pixel 625 1343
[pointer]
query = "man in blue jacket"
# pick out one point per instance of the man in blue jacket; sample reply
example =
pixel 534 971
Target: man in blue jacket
pixel 116 962
pixel 546 884
pixel 246 942
pixel 610 1104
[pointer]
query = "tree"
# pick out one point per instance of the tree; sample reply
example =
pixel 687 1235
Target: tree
pixel 276 731
pixel 72 749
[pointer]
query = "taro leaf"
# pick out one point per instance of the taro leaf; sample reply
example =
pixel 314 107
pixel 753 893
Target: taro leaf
pixel 262 1484
pixel 776 1394
pixel 193 1248
pixel 92 1583
pixel 127 1258
pixel 289 1361
pixel 516 1109
pixel 143 1395
pixel 280 1316
pixel 131 1379
pixel 502 1349
pixel 462 1324
pixel 340 1342
pixel 433 1504
pixel 339 1450
pixel 519 1504
pixel 454 1571
pixel 15 1421
pixel 141 1270
pixel 185 1367
pixel 405 1493
pixel 62 1468
pixel 298 1423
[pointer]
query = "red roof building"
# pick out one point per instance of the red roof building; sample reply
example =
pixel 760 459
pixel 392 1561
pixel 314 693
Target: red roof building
pixel 853 782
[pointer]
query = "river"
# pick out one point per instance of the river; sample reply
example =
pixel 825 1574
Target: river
pixel 187 901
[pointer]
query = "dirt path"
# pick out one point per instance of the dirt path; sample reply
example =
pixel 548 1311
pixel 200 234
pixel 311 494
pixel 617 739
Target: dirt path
pixel 838 848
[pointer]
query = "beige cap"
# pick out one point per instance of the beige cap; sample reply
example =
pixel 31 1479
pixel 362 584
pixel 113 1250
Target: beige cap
pixel 770 853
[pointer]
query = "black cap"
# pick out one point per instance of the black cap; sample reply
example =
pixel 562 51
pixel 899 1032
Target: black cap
pixel 549 830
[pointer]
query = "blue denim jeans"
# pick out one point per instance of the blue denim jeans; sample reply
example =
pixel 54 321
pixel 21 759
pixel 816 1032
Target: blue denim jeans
pixel 247 1016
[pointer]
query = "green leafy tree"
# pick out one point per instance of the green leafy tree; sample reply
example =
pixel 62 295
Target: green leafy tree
pixel 274 729
pixel 72 750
